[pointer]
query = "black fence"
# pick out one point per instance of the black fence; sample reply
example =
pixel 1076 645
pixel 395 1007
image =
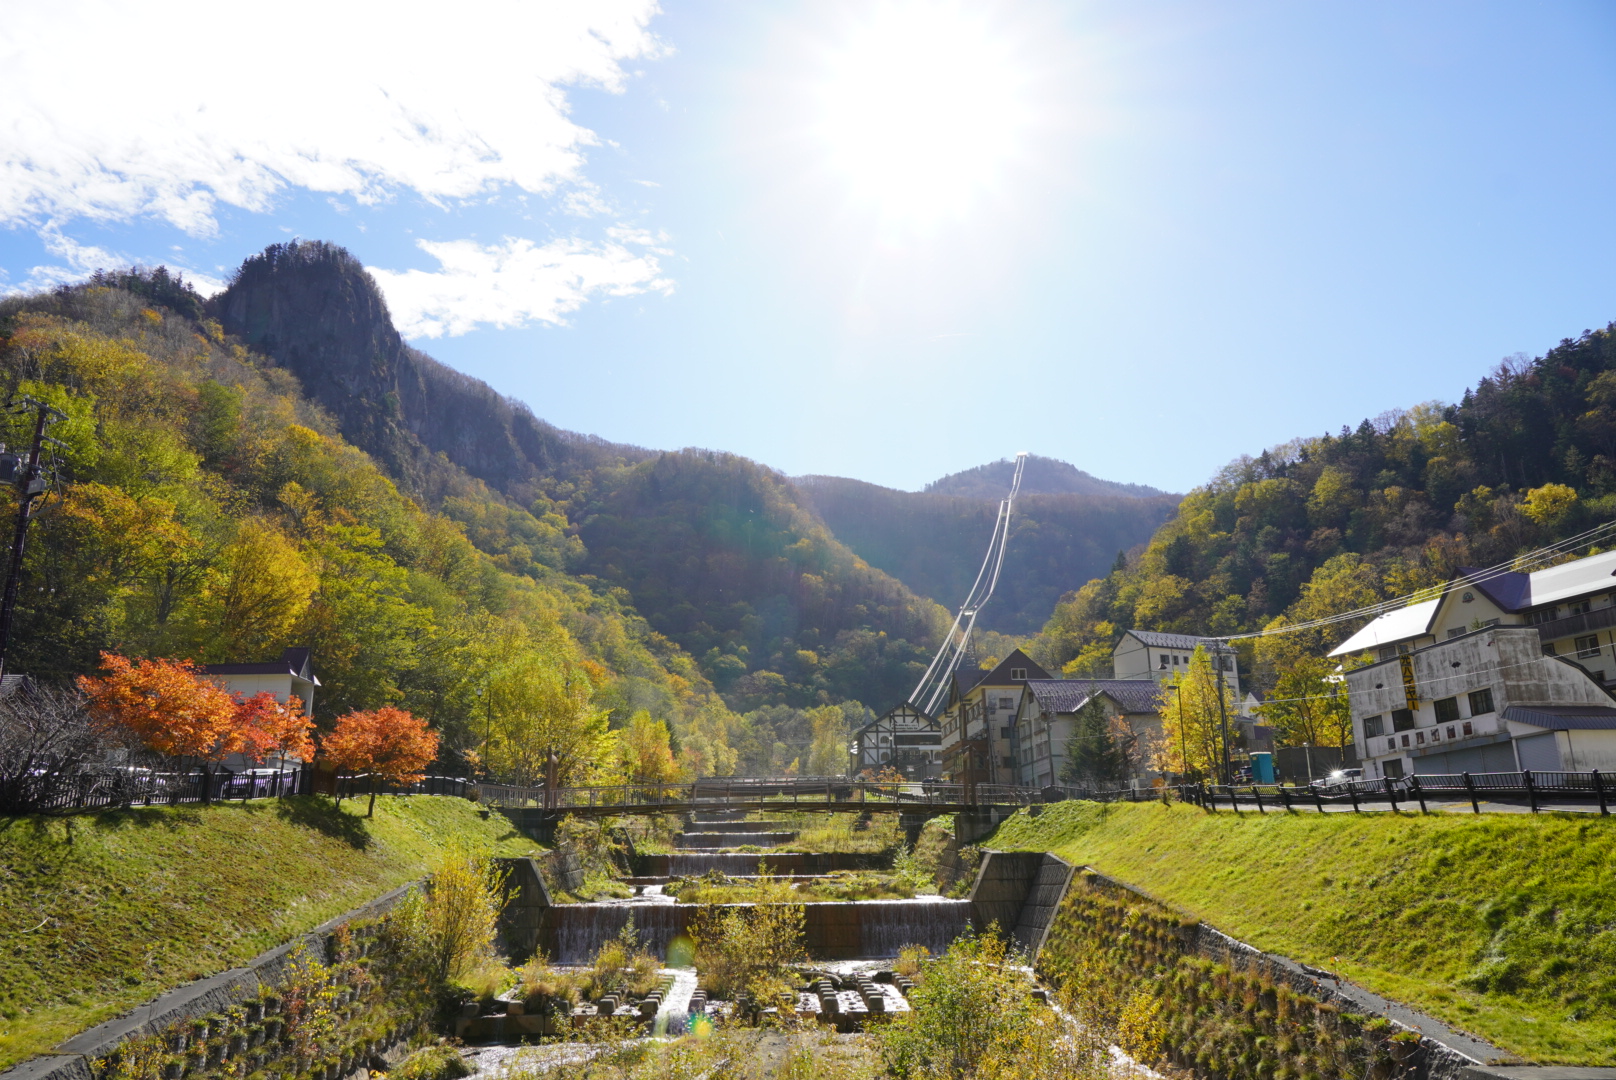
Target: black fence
pixel 114 787
pixel 1534 789
pixel 101 788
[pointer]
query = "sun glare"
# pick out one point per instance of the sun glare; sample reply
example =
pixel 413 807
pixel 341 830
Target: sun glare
pixel 922 111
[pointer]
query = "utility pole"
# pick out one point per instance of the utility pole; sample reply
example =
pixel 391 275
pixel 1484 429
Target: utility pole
pixel 1223 717
pixel 25 477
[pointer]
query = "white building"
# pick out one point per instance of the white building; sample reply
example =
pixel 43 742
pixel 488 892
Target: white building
pixel 1570 606
pixel 902 738
pixel 1048 714
pixel 1146 654
pixel 1486 700
pixel 290 676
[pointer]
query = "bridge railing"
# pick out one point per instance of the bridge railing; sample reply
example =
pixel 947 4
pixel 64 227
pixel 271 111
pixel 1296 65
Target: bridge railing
pixel 807 793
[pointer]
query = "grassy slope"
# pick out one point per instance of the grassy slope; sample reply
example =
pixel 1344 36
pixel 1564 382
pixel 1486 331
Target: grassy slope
pixel 1504 926
pixel 99 913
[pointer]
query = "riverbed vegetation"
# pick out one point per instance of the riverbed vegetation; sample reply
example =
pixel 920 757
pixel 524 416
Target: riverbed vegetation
pixel 1503 925
pixel 852 833
pixel 100 912
pixel 716 887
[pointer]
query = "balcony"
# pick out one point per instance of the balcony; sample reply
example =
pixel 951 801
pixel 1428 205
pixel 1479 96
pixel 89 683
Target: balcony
pixel 1587 622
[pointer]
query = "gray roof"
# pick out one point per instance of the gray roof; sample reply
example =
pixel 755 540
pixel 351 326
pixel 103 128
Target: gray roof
pixel 1563 717
pixel 1170 641
pixel 1070 695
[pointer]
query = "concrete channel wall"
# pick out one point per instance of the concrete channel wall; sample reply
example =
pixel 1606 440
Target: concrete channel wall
pixel 1026 890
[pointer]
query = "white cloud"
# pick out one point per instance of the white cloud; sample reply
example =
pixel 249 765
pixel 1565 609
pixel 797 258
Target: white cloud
pixel 513 283
pixel 112 110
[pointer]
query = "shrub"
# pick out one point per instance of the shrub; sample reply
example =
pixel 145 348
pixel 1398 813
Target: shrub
pixel 973 1017
pixel 441 1062
pixel 747 951
pixel 449 931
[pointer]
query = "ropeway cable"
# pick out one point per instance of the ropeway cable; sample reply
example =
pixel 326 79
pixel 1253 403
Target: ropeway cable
pixel 941 670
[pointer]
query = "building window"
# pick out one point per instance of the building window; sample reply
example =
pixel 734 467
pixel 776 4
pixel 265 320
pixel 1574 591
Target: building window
pixel 1009 762
pixel 1579 607
pixel 1450 731
pixel 1388 651
pixel 1540 616
pixel 1419 737
pixel 1391 743
pixel 1481 701
pixel 1164 661
pixel 1405 740
pixel 1403 720
pixel 1436 734
pixel 1548 650
pixel 1446 709
pixel 1467 730
pixel 1373 726
pixel 1457 631
pixel 1394 769
pixel 1018 673
pixel 1588 646
pixel 1004 733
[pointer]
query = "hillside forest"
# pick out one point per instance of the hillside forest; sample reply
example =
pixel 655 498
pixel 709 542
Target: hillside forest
pixel 210 511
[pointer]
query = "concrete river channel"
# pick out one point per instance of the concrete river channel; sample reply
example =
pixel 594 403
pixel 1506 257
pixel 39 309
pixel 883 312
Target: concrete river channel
pixel 851 945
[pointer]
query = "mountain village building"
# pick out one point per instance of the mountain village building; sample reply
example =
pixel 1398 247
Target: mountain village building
pixel 902 738
pixel 1047 718
pixel 1570 607
pixel 978 723
pixel 290 676
pixel 1146 654
pixel 1486 700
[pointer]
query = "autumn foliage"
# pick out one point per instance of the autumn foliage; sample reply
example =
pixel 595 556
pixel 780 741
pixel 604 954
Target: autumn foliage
pixel 388 743
pixel 166 704
pixel 266 726
pixel 175 711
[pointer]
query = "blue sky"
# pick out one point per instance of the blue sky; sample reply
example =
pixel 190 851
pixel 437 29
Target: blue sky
pixel 880 240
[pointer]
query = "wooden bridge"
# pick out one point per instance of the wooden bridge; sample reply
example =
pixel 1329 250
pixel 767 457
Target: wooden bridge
pixel 776 794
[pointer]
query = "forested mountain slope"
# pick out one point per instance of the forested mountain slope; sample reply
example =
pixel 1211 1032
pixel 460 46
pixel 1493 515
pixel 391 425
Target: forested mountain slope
pixel 312 308
pixel 1323 525
pixel 934 542
pixel 1042 476
pixel 211 511
pixel 711 549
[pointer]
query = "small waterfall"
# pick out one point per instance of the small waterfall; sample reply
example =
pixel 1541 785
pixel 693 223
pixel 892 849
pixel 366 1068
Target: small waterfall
pixel 885 926
pixel 713 840
pixel 857 929
pixel 577 931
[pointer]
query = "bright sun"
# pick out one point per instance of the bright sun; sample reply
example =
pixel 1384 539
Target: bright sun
pixel 922 111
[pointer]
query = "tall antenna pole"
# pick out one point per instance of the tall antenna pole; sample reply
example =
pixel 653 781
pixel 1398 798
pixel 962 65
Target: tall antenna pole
pixel 933 686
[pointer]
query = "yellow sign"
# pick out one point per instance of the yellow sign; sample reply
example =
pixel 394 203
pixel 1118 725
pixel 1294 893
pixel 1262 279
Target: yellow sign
pixel 1410 691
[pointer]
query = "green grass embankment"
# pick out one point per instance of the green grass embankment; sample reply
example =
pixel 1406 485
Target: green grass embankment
pixel 101 912
pixel 1503 925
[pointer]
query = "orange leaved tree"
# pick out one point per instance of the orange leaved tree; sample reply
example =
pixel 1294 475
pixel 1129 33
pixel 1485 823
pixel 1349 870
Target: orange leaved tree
pixel 388 743
pixel 265 726
pixel 166 704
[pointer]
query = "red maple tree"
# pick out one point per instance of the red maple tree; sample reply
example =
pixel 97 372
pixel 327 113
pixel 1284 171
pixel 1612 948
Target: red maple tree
pixel 166 704
pixel 389 744
pixel 265 726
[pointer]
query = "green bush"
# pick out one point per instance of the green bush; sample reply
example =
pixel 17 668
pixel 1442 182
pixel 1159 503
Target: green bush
pixel 440 1062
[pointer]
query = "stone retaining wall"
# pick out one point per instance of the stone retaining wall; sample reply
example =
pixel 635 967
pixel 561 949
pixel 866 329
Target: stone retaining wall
pixel 74 1058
